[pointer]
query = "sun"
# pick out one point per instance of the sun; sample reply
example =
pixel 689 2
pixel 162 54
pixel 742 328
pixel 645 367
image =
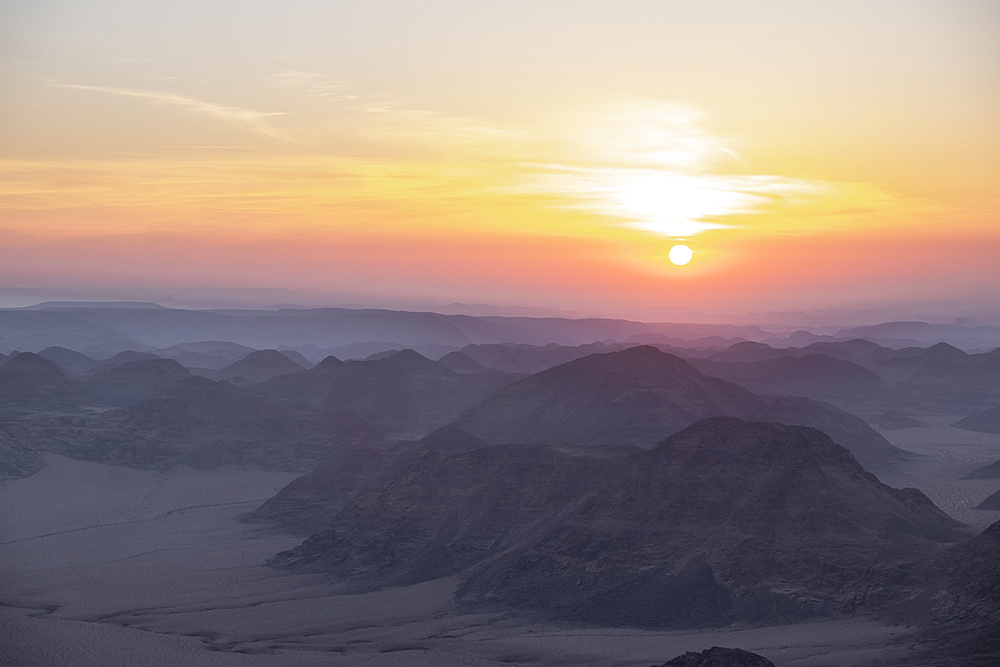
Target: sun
pixel 680 254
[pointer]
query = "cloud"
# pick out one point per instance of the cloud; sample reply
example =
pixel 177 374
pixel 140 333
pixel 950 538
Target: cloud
pixel 248 119
pixel 669 203
pixel 653 160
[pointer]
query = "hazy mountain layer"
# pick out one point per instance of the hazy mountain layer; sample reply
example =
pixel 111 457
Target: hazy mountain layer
pixel 638 397
pixel 404 396
pixel 814 375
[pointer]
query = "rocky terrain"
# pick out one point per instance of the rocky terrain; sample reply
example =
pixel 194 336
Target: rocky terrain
pixel 727 520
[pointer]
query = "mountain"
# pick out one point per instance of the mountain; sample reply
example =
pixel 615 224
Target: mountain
pixel 860 351
pixel 33 381
pixel 460 362
pixel 992 502
pixel 260 365
pixel 985 421
pixel 132 381
pixel 634 397
pixel 404 396
pixel 88 327
pixel 73 361
pixel 719 657
pixel 944 378
pixel 749 351
pixel 522 358
pixel 127 356
pixel 638 397
pixel 896 334
pixel 205 424
pixel 725 521
pixel 814 375
pixel 992 471
pixel 298 358
pixel 211 355
pixel 864 442
pixel 959 593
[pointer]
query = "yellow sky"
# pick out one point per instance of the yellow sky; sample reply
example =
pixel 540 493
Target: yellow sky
pixel 812 154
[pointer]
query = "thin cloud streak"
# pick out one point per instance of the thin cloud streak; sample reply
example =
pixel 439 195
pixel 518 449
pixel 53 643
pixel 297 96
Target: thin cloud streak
pixel 248 119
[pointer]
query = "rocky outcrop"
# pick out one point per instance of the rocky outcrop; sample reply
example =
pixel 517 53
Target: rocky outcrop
pixel 719 657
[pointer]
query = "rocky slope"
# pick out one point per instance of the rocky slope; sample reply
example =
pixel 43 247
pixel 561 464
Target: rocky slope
pixel 986 420
pixel 727 520
pixel 992 502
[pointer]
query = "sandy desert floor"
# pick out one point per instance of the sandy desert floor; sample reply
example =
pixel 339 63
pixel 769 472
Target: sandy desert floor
pixel 107 566
pixel 947 455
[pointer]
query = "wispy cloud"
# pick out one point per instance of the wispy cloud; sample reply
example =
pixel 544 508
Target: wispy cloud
pixel 669 203
pixel 653 172
pixel 248 119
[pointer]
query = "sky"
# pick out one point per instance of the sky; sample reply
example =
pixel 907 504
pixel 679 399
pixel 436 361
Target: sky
pixel 840 156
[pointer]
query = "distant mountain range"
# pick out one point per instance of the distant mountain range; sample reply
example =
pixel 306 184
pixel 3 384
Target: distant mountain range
pixel 100 330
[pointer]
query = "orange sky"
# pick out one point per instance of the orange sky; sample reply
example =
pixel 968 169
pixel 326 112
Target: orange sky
pixel 812 154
